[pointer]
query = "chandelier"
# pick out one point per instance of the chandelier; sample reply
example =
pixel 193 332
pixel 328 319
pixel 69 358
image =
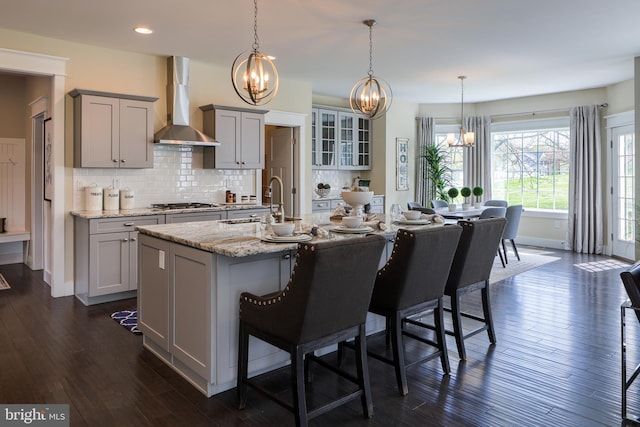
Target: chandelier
pixel 371 96
pixel 254 76
pixel 465 139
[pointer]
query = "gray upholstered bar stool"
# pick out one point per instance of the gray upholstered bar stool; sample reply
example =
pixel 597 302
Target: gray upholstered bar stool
pixel 324 303
pixel 412 282
pixel 470 272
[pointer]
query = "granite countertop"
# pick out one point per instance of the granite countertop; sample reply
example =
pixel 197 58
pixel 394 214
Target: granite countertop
pixel 156 211
pixel 243 239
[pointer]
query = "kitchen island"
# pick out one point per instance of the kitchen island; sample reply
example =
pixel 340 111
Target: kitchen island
pixel 190 279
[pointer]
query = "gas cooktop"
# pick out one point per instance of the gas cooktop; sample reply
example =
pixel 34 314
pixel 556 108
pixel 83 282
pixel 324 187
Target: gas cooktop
pixel 183 205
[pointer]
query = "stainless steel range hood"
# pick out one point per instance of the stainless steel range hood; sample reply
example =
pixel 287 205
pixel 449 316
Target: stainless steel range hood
pixel 177 131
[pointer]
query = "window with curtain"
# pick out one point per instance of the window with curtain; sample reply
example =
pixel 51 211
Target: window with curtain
pixel 455 155
pixel 530 163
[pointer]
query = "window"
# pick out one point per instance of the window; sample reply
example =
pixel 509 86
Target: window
pixel 455 155
pixel 530 163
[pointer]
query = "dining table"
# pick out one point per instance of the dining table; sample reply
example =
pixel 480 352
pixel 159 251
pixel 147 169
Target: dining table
pixel 461 214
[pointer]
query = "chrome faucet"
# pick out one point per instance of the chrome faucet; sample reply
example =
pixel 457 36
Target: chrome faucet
pixel 279 213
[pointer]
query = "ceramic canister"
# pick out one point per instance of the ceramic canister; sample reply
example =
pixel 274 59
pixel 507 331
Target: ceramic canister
pixel 127 198
pixel 111 199
pixel 93 198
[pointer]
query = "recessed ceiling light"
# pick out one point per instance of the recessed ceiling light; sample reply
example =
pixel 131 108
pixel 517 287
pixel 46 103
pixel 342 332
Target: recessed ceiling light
pixel 143 30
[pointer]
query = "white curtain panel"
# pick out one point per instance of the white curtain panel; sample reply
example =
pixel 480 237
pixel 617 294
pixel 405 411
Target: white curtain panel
pixel 477 162
pixel 425 190
pixel 584 233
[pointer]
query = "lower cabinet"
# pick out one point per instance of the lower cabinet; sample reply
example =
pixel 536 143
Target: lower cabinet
pixel 328 205
pixel 188 302
pixel 106 257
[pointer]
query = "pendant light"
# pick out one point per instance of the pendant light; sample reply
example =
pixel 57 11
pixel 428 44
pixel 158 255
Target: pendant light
pixel 254 76
pixel 465 139
pixel 371 96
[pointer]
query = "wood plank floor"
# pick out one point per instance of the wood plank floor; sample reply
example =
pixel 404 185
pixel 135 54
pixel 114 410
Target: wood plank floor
pixel 557 363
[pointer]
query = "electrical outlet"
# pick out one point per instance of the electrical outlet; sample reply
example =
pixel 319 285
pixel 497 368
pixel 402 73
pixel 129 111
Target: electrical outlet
pixel 161 260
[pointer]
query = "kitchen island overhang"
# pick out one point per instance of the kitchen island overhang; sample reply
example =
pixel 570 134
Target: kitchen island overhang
pixel 191 276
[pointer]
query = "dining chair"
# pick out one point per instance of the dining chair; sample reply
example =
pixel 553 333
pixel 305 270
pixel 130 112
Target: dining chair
pixel 502 203
pixel 325 302
pixel 493 212
pixel 470 272
pixel 416 206
pixel 631 280
pixel 412 282
pixel 435 204
pixel 513 214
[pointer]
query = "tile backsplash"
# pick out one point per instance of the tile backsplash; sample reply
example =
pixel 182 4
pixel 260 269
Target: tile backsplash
pixel 177 176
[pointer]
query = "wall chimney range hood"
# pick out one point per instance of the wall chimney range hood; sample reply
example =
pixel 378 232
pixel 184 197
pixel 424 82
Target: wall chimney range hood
pixel 177 131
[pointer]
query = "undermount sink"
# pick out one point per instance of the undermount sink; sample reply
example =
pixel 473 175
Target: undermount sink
pixel 239 220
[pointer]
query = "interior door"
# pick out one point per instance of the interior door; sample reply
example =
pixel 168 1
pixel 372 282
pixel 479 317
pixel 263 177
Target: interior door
pixel 622 192
pixel 279 162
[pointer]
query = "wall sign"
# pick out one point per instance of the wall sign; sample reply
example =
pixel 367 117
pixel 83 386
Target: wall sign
pixel 402 164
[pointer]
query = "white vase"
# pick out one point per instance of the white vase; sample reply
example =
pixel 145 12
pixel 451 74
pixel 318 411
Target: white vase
pixel 465 206
pixel 452 207
pixel 478 205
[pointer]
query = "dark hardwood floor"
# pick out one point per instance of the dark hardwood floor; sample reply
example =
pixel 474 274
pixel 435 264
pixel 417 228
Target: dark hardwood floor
pixel 556 363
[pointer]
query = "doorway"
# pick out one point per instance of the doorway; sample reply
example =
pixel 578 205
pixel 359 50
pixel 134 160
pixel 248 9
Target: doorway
pixel 623 192
pixel 279 161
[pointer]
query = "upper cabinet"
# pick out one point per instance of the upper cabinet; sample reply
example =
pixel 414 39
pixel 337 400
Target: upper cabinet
pixel 112 130
pixel 339 140
pixel 240 133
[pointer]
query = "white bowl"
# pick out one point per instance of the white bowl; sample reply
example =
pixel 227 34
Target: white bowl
pixel 283 228
pixel 412 214
pixel 355 198
pixel 352 221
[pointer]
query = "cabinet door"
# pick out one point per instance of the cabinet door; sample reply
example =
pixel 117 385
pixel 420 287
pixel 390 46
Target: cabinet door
pixel 136 134
pixel 109 256
pixel 346 146
pixel 315 156
pixel 228 129
pixel 98 122
pixel 252 141
pixel 327 138
pixel 363 145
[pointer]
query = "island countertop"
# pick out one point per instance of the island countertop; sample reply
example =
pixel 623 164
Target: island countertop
pixel 243 239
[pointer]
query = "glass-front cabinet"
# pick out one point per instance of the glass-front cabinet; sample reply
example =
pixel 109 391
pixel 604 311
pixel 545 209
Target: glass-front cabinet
pixel 340 140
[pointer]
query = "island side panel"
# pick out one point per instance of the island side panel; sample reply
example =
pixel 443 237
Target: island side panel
pixel 260 275
pixel 153 293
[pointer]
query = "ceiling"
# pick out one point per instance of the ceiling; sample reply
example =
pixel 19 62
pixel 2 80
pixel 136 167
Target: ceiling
pixel 507 48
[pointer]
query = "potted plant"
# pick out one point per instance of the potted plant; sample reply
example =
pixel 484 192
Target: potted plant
pixel 436 171
pixel 465 192
pixel 478 191
pixel 452 193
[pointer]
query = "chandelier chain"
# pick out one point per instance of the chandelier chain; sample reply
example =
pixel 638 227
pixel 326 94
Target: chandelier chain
pixel 255 46
pixel 371 50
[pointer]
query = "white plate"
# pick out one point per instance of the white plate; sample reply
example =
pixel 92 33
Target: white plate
pixel 286 239
pixel 413 221
pixel 358 230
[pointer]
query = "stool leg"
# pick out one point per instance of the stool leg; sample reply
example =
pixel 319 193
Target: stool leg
pixel 243 361
pixel 457 325
pixel 486 307
pixel 397 346
pixel 438 318
pixel 363 371
pixel 298 388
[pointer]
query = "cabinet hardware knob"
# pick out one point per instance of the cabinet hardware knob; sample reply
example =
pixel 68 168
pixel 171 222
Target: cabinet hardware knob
pixel 125 240
pixel 115 160
pixel 123 160
pixel 133 239
pixel 129 224
pixel 286 256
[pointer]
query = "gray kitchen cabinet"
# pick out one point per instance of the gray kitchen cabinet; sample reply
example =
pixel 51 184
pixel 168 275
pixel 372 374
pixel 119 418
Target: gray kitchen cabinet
pixel 106 260
pixel 377 204
pixel 188 304
pixel 339 139
pixel 112 130
pixel 240 133
pixel 325 205
pixel 194 216
pixel 246 213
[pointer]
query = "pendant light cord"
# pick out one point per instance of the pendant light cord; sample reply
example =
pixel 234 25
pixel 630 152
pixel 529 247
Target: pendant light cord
pixel 255 46
pixel 371 48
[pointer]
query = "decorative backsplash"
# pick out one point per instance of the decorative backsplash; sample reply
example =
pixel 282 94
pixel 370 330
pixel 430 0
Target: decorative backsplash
pixel 336 178
pixel 177 176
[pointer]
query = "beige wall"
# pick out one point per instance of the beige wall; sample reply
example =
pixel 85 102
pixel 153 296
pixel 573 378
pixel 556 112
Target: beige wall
pixel 12 106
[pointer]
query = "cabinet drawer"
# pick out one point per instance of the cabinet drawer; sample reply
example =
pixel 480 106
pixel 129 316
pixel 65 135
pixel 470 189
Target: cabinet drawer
pixel 109 225
pixel 377 201
pixel 337 202
pixel 246 213
pixel 320 205
pixel 193 217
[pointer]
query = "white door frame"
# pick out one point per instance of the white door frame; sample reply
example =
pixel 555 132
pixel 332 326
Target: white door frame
pixel 35 260
pixel 613 122
pixel 19 62
pixel 297 121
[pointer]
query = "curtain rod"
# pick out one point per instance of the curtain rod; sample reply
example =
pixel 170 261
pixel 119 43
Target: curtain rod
pixel 526 113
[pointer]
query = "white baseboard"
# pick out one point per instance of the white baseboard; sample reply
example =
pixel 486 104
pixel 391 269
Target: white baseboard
pixel 543 243
pixel 12 258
